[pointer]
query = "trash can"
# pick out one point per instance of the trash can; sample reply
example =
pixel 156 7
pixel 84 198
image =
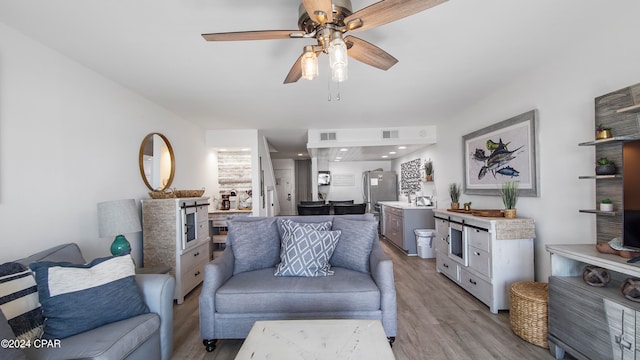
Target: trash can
pixel 424 240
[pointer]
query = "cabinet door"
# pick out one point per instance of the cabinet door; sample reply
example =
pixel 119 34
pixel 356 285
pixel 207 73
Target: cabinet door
pixel 622 327
pixel 577 317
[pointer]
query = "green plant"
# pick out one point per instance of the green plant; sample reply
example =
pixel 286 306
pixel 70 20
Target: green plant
pixel 454 192
pixel 606 201
pixel 509 192
pixel 428 167
pixel 602 128
pixel 467 203
pixel 604 161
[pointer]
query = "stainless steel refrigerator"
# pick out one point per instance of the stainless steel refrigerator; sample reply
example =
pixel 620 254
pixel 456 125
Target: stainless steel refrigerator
pixel 379 186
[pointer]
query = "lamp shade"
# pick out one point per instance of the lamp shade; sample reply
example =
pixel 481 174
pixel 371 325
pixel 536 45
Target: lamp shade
pixel 118 217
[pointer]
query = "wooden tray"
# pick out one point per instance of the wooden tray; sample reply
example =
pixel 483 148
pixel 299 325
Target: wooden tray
pixel 478 212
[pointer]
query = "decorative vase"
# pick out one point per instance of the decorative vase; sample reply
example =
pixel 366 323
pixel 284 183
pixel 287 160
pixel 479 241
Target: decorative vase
pixel 429 178
pixel 608 169
pixel 606 207
pixel 467 207
pixel 510 213
pixel 455 205
pixel 603 134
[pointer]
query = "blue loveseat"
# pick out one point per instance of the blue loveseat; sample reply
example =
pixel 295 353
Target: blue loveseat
pixel 240 287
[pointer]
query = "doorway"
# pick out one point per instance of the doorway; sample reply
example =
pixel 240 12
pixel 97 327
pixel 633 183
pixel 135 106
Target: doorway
pixel 284 189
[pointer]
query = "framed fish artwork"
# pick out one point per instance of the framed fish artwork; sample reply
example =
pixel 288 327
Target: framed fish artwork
pixel 505 151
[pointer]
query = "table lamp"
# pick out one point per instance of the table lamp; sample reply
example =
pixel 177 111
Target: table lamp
pixel 116 218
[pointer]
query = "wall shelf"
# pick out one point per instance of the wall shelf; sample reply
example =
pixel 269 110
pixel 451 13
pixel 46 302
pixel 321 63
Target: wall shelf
pixel 601 177
pixel 598 212
pixel 610 140
pixel 629 109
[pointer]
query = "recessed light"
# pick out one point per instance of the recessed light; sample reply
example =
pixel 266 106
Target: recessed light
pixel 401 147
pixel 343 149
pixel 392 152
pixel 301 154
pixel 338 158
pixel 384 156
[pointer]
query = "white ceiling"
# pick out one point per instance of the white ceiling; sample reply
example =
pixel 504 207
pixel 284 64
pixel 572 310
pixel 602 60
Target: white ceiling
pixel 449 57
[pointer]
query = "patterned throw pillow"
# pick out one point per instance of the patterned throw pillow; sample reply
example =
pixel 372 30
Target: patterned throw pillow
pixel 19 301
pixel 77 298
pixel 306 251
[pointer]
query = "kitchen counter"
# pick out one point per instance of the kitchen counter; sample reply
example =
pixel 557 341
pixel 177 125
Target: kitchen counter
pixel 404 205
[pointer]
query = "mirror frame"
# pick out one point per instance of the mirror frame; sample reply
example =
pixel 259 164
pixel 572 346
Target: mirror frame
pixel 141 161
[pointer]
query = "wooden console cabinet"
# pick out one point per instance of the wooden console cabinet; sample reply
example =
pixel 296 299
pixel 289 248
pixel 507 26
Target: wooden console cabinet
pixel 586 321
pixel 493 253
pixel 163 235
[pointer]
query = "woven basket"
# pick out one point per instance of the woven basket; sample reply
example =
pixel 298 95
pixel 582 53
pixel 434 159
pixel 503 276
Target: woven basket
pixel 528 312
pixel 162 194
pixel 188 193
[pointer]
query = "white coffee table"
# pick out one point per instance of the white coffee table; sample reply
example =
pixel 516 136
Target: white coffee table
pixel 316 339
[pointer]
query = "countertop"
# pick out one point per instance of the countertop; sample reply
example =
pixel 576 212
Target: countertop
pixel 230 211
pixel 404 205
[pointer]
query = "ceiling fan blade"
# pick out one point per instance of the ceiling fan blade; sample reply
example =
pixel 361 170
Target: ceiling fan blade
pixel 295 73
pixel 254 35
pixel 368 53
pixel 386 11
pixel 319 5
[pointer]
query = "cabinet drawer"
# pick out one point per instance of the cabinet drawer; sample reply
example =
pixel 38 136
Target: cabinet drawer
pixel 192 277
pixel 447 266
pixel 478 238
pixel 194 256
pixel 219 223
pixel 476 286
pixel 392 210
pixel 480 261
pixel 442 227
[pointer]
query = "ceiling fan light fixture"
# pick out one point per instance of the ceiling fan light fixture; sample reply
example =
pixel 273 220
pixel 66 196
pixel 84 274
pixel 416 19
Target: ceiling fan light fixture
pixel 338 58
pixel 309 63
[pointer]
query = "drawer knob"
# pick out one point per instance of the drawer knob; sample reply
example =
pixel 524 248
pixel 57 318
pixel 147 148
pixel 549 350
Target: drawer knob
pixel 196 254
pixel 476 253
pixel 473 282
pixel 446 265
pixel 196 274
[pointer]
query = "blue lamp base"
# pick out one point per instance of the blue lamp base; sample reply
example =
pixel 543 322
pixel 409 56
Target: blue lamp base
pixel 120 246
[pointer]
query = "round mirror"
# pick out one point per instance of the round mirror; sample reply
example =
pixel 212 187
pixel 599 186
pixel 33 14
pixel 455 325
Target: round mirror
pixel 157 164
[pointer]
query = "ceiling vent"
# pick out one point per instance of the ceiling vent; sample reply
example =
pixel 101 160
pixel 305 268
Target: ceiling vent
pixel 389 134
pixel 327 136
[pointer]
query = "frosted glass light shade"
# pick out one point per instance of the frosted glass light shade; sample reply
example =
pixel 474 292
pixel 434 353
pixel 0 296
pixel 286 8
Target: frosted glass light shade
pixel 118 217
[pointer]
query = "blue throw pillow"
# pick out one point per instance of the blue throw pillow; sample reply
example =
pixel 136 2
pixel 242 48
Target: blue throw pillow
pixel 77 298
pixel 255 244
pixel 354 249
pixel 306 249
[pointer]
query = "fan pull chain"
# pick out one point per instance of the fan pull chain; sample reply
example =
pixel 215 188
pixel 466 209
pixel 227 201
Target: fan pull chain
pixel 338 92
pixel 329 89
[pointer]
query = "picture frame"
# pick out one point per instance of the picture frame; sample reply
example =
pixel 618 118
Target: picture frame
pixel 505 151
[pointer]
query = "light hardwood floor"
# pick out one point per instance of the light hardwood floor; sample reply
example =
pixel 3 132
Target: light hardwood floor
pixel 436 320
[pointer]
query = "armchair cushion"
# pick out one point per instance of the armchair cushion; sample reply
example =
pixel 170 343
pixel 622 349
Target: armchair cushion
pixel 19 301
pixel 306 249
pixel 77 298
pixel 354 248
pixel 255 244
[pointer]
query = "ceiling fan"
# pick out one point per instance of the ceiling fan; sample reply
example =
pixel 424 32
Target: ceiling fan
pixel 326 21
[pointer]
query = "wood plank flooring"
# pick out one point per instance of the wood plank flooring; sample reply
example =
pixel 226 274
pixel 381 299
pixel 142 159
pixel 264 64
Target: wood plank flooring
pixel 436 320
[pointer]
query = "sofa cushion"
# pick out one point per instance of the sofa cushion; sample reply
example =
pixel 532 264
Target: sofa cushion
pixel 255 244
pixel 306 249
pixel 116 340
pixel 76 298
pixel 356 242
pixel 19 301
pixel 261 292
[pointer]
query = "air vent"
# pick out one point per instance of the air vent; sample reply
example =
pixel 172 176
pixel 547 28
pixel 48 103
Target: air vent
pixel 389 134
pixel 327 136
